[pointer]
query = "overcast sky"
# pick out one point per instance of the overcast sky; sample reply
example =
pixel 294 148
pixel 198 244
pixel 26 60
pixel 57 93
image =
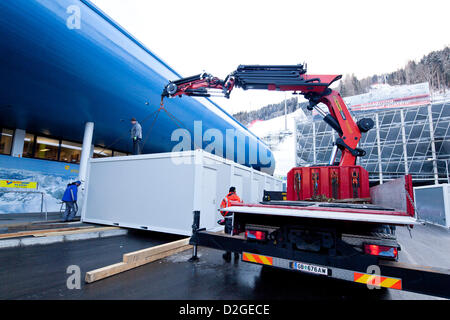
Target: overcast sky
pixel 333 37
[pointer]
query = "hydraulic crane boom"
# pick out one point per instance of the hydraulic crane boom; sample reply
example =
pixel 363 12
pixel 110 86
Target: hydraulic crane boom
pixel 315 88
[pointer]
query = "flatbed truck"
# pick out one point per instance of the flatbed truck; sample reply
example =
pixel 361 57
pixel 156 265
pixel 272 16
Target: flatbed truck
pixel 331 223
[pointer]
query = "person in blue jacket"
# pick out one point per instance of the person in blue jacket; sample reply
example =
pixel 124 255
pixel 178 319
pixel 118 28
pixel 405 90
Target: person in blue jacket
pixel 70 199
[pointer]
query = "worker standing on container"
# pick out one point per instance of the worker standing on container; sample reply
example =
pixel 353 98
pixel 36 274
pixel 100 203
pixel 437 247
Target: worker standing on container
pixel 136 136
pixel 70 199
pixel 227 202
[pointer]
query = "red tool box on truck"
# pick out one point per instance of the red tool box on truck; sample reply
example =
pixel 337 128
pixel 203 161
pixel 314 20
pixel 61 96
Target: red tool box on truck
pixel 337 182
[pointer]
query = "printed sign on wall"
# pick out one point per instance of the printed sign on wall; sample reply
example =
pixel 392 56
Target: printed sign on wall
pixel 18 184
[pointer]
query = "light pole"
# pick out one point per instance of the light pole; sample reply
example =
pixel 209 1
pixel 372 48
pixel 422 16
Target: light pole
pixel 285 111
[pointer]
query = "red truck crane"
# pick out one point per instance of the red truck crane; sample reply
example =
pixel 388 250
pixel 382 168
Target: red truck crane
pixel 327 223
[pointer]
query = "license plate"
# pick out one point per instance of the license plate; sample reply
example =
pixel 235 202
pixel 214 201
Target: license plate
pixel 310 268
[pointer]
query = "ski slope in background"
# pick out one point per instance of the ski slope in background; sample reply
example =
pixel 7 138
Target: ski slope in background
pixel 280 141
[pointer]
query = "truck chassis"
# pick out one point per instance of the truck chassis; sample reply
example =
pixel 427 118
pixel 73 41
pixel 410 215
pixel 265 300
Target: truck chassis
pixel 339 256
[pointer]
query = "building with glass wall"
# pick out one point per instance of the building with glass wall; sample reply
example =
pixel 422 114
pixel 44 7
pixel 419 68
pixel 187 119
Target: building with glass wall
pixel 80 88
pixel 405 140
pixel 49 148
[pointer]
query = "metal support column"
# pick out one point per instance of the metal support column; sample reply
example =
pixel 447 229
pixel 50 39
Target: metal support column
pixel 446 170
pixel 195 228
pixel 18 143
pixel 314 143
pixel 86 150
pixel 433 146
pixel 405 151
pixel 380 167
pixel 285 112
pixel 85 155
pixel 333 151
pixel 295 143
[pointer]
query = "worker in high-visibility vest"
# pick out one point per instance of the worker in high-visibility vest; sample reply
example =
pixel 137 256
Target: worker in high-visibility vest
pixel 227 202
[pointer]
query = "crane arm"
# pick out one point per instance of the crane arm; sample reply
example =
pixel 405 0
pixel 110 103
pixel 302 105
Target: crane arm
pixel 315 88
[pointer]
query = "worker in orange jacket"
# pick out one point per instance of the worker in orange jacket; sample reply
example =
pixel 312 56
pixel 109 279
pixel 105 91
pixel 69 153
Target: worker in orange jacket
pixel 227 202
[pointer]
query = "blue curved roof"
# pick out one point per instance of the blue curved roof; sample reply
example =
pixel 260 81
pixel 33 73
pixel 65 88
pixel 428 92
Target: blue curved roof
pixel 54 79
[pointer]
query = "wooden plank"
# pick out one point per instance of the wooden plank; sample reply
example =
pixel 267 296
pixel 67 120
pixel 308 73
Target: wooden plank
pixel 38 226
pixel 15 225
pixel 105 272
pixel 108 271
pixel 145 253
pixel 30 233
pixel 160 256
pixel 75 231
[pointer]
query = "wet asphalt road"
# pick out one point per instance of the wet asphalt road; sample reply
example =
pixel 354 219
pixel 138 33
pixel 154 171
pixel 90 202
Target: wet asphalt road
pixel 40 272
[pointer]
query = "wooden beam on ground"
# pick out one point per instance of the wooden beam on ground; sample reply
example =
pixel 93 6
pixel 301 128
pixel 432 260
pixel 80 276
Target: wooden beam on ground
pixel 30 233
pixel 85 230
pixel 15 225
pixel 138 258
pixel 145 253
pixel 29 226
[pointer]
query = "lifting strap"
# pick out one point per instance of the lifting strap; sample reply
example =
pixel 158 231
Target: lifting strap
pixel 315 178
pixel 334 184
pixel 297 184
pixel 355 183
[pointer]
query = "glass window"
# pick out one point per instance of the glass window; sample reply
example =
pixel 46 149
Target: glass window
pixel 70 152
pixel 370 167
pixel 28 145
pixel 6 138
pixel 46 148
pixel 393 134
pixel 100 152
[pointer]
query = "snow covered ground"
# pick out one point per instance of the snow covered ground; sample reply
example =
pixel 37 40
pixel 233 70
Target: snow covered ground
pixel 383 91
pixel 441 96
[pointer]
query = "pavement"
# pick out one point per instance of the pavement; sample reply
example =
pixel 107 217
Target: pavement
pixel 40 272
pixel 426 245
pixel 29 218
pixel 21 231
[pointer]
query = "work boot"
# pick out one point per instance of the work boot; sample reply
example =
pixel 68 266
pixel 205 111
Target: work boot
pixel 227 256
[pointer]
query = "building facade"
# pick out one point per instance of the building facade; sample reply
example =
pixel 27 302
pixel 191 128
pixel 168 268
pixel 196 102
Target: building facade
pixel 70 89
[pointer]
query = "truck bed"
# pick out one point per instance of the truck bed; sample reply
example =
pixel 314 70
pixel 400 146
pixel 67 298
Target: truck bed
pixel 330 211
